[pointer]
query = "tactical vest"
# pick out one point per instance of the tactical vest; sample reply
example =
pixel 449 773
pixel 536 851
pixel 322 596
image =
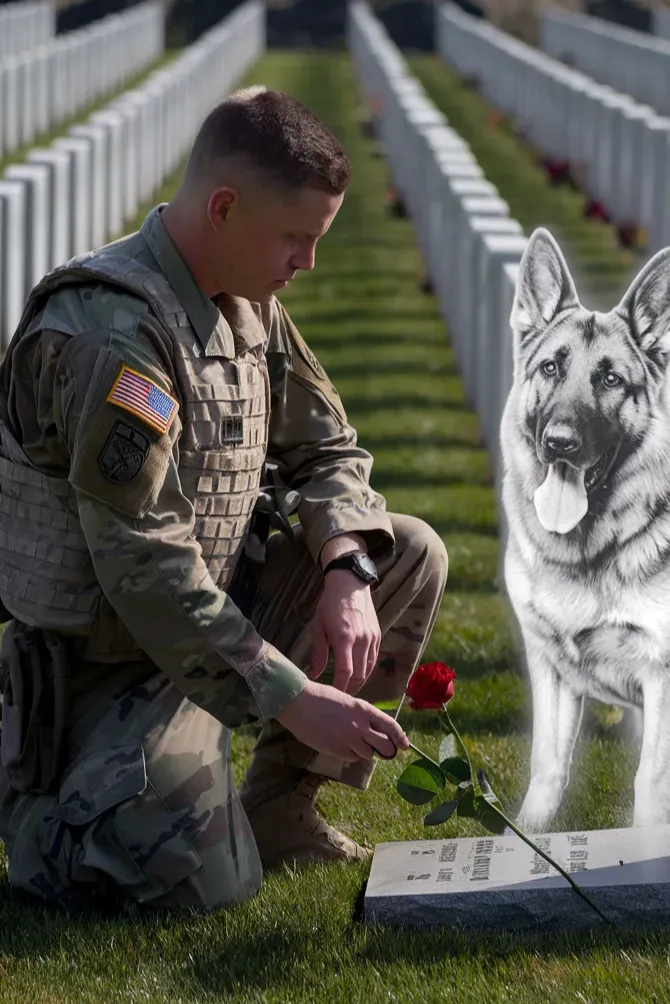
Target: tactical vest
pixel 46 574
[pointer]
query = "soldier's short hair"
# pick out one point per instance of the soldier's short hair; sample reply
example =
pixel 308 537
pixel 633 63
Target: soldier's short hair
pixel 277 136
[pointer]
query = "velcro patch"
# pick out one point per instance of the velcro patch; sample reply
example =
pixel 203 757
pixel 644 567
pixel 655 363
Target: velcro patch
pixel 124 454
pixel 233 430
pixel 142 397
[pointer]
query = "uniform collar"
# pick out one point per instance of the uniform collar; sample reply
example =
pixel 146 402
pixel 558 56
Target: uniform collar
pixel 218 326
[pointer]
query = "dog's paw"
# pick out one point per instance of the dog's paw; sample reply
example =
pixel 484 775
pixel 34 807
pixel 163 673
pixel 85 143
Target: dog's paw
pixel 532 823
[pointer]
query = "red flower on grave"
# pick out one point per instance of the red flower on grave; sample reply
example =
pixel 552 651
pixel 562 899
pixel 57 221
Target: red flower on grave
pixel 430 686
pixel 596 211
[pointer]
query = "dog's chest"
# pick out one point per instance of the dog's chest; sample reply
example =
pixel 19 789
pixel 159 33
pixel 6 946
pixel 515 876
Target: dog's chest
pixel 605 635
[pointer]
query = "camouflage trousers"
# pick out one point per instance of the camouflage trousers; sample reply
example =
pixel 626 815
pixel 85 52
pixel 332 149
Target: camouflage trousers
pixel 147 810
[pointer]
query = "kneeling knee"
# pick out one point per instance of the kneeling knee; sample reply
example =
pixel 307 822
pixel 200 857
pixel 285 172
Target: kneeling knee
pixel 425 542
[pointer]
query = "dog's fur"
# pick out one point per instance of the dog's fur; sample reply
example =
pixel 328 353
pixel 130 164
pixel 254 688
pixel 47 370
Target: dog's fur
pixel 593 601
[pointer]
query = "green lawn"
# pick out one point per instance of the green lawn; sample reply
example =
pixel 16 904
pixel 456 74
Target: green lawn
pixel 299 941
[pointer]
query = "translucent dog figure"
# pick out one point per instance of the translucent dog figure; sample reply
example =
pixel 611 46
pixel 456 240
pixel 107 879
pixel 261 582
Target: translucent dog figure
pixel 585 438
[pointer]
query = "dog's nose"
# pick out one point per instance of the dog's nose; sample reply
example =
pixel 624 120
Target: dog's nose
pixel 560 445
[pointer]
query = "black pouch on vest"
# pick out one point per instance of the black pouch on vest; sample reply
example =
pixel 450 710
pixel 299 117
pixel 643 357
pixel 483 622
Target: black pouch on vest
pixel 275 503
pixel 34 679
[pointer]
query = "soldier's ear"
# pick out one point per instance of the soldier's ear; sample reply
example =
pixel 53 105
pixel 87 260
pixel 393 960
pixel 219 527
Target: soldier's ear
pixel 544 286
pixel 646 308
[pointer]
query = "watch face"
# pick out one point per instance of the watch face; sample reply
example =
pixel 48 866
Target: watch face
pixel 367 566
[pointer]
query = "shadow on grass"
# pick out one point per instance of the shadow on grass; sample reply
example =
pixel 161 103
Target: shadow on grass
pixel 429 442
pixel 385 479
pixel 408 367
pixel 360 315
pixel 386 944
pixel 218 963
pixel 455 525
pixel 398 272
pixel 369 406
pixel 280 955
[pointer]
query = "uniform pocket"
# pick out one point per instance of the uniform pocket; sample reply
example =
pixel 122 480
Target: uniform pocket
pixel 99 781
pixel 130 835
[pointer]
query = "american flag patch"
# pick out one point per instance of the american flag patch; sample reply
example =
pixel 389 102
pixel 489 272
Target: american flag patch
pixel 142 397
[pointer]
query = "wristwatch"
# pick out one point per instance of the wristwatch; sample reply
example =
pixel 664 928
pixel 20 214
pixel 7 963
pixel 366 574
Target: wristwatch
pixel 358 563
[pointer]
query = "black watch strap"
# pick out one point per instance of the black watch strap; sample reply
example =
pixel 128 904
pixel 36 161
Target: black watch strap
pixel 357 562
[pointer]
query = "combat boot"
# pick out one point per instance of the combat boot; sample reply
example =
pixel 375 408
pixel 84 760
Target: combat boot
pixel 279 802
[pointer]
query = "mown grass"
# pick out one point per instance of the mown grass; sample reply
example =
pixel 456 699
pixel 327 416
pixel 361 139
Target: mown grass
pixel 299 941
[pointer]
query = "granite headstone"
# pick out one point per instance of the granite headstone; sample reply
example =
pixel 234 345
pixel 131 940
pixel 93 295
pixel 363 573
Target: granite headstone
pixel 496 883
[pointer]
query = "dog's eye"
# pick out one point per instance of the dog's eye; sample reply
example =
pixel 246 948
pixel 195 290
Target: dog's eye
pixel 549 368
pixel 612 379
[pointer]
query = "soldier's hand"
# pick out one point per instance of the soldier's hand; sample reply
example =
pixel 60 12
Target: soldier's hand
pixel 346 621
pixel 333 722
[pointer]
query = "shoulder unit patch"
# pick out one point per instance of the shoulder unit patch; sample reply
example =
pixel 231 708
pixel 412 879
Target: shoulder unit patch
pixel 124 454
pixel 143 398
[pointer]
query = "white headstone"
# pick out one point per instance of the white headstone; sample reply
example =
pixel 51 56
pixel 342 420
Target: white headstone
pixel 97 136
pixel 79 202
pixel 42 98
pixel 12 257
pixel 495 251
pixel 131 164
pixel 467 281
pixel 495 883
pixel 627 167
pixel 11 106
pixel 114 124
pixel 27 90
pixel 59 166
pixel 510 273
pixel 36 178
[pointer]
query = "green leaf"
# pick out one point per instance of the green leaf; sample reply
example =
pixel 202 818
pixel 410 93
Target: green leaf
pixel 490 819
pixel 452 762
pixel 449 747
pixel 468 804
pixel 455 769
pixel 441 813
pixel 417 796
pixel 420 782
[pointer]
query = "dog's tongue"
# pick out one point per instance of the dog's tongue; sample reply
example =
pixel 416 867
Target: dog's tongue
pixel 561 501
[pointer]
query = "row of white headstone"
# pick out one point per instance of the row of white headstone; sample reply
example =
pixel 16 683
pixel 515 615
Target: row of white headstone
pixel 83 189
pixel 630 61
pixel 471 247
pixel 24 26
pixel 618 149
pixel 44 86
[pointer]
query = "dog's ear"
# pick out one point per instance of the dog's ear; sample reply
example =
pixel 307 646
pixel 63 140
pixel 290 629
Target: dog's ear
pixel 544 286
pixel 646 307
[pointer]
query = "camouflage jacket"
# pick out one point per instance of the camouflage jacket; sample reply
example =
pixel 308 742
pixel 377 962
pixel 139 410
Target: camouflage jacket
pixel 135 414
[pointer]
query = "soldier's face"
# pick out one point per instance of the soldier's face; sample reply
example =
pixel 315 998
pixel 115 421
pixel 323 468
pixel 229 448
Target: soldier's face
pixel 269 239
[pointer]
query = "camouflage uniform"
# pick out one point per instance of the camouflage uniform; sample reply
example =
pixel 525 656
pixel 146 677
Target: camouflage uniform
pixel 135 418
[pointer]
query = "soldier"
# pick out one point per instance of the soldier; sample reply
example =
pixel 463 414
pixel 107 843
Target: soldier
pixel 159 413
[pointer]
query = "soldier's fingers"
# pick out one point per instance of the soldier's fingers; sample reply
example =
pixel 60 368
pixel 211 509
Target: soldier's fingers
pixel 363 749
pixel 388 726
pixel 381 745
pixel 320 651
pixel 373 654
pixel 359 658
pixel 342 650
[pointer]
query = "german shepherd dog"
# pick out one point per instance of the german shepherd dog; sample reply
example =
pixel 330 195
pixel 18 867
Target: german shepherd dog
pixel 585 440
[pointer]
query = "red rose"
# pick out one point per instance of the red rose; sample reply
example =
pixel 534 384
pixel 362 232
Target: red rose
pixel 430 686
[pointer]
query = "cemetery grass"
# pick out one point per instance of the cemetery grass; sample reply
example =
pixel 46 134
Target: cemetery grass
pixel 299 940
pixel 602 269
